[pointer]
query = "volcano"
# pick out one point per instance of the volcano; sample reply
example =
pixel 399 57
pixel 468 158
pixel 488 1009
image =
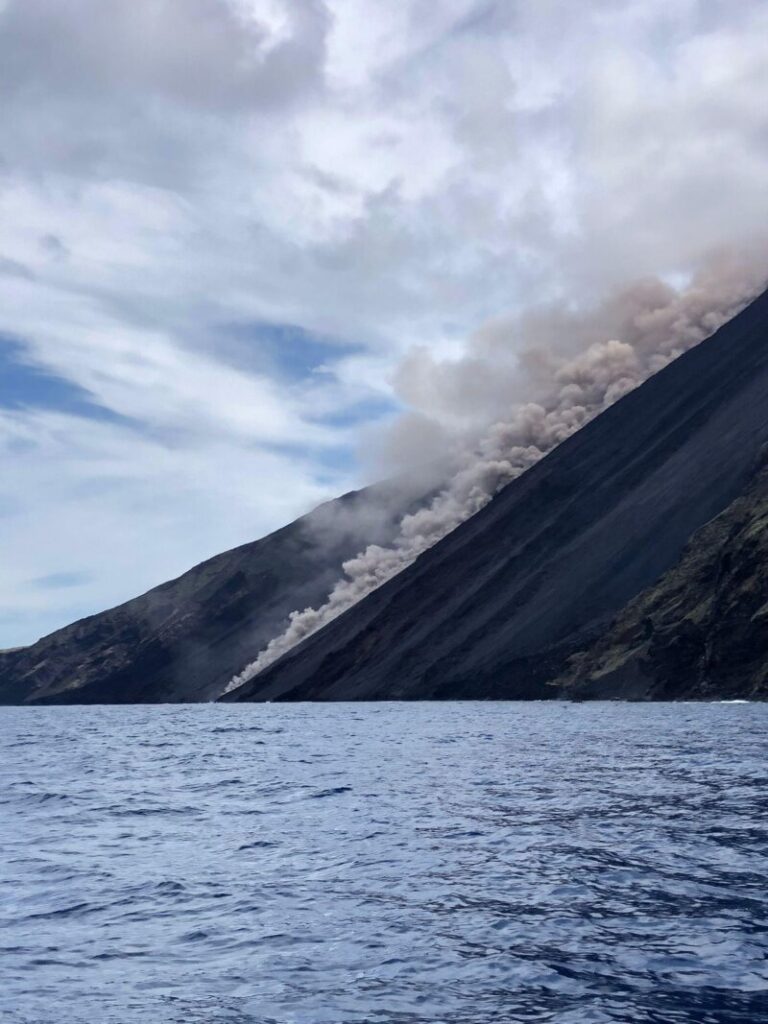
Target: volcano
pixel 510 604
pixel 628 563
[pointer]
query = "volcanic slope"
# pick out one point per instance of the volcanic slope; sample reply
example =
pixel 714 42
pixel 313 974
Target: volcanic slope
pixel 183 640
pixel 701 631
pixel 496 608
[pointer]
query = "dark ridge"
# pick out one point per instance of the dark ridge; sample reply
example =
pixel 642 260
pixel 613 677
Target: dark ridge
pixel 184 640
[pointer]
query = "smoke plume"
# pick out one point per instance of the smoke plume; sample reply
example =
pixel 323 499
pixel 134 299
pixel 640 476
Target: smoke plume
pixel 617 346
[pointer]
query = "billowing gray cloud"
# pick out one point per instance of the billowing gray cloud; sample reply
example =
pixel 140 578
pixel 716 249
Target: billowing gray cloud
pixel 205 54
pixel 139 88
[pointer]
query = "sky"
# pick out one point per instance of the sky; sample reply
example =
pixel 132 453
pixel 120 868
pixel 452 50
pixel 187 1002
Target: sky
pixel 227 225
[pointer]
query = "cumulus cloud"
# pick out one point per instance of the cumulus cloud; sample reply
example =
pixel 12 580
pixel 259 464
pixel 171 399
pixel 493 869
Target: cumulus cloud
pixel 403 180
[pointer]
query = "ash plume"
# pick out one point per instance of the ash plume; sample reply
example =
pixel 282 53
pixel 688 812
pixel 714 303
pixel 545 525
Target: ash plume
pixel 576 364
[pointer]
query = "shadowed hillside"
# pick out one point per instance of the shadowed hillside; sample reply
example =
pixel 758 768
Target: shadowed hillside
pixel 183 640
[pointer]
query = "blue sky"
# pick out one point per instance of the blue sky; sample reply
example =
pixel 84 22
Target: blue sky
pixel 26 386
pixel 229 227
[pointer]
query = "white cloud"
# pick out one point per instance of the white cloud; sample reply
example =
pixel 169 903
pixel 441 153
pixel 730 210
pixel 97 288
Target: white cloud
pixel 125 511
pixel 385 175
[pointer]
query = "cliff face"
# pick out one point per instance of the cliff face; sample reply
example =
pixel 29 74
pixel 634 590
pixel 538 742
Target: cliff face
pixel 184 640
pixel 498 607
pixel 701 632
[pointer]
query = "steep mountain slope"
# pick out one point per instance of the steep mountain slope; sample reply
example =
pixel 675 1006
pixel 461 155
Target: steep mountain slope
pixel 702 630
pixel 184 639
pixel 496 608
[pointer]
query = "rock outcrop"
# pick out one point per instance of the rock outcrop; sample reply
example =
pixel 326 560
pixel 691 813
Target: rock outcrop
pixel 701 632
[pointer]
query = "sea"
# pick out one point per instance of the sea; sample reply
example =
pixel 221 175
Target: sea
pixel 396 863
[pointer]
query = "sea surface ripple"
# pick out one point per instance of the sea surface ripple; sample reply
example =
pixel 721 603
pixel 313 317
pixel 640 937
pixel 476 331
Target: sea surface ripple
pixel 390 863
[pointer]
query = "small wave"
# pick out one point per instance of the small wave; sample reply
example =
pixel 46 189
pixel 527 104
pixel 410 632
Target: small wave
pixel 236 728
pixel 170 885
pixel 144 812
pixel 73 910
pixel 44 798
pixel 219 729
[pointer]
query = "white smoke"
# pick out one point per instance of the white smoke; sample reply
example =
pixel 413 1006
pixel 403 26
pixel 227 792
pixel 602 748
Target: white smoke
pixel 634 335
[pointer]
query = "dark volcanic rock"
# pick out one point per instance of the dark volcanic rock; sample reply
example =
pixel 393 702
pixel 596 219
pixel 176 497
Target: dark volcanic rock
pixel 701 632
pixel 184 640
pixel 497 607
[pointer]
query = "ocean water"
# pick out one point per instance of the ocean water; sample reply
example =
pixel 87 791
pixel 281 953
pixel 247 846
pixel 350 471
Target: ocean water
pixel 403 863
